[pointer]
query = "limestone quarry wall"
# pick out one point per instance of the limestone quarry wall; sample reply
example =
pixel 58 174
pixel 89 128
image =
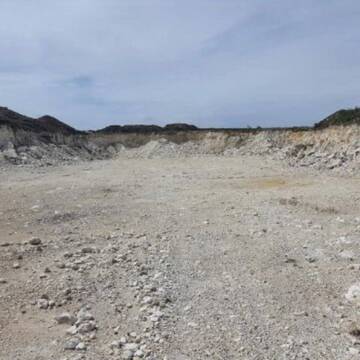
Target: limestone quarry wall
pixel 330 147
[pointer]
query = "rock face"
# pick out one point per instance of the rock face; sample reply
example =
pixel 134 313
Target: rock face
pixel 48 141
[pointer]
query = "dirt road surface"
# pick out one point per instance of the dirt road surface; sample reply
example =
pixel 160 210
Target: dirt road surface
pixel 179 259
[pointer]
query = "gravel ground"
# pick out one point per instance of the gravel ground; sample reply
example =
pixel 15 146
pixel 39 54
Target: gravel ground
pixel 179 259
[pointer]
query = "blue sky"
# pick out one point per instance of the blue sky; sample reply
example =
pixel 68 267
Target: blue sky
pixel 223 63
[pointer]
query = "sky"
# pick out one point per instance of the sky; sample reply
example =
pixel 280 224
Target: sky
pixel 213 63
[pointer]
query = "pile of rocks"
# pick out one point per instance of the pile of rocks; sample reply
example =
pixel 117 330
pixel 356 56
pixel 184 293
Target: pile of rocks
pixel 325 160
pixel 82 329
pixel 151 290
pixel 128 264
pixel 51 154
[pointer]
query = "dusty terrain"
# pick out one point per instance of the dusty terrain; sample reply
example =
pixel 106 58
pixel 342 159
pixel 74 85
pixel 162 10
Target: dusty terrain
pixel 202 257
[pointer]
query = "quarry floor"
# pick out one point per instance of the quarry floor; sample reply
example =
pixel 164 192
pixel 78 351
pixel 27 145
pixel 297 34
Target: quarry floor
pixel 242 258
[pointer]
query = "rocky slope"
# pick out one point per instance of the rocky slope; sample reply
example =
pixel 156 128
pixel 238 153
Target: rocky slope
pixel 332 143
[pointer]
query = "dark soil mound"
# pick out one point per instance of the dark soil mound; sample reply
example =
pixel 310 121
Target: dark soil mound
pixel 56 126
pixel 180 127
pixel 341 117
pixel 139 129
pixel 17 121
pixel 146 129
pixel 45 123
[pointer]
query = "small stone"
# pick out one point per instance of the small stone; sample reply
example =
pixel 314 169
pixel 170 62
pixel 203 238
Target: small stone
pixel 86 327
pixel 72 330
pixel 353 293
pixel 131 347
pixel 71 344
pixel 35 241
pixel 115 344
pixel 147 300
pixel 84 315
pixel 16 265
pixel 193 325
pixel 301 313
pixel 156 316
pixel 310 259
pixel 354 267
pixel 348 255
pixel 43 304
pixel 139 353
pixel 114 260
pixel 127 355
pixel 65 318
pixel 87 250
pixel 81 346
pixel 3 281
pixel 353 351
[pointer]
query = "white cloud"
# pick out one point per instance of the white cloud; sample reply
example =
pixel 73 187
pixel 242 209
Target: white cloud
pixel 93 62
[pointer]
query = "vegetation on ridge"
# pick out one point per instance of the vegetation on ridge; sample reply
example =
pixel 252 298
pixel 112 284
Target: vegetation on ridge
pixel 342 117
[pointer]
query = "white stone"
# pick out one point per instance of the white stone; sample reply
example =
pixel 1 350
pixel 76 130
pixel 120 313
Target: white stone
pixel 65 318
pixel 127 355
pixel 353 294
pixel 86 327
pixel 131 347
pixel 81 346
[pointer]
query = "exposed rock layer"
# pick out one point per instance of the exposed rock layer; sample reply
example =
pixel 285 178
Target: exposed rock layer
pixel 47 141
